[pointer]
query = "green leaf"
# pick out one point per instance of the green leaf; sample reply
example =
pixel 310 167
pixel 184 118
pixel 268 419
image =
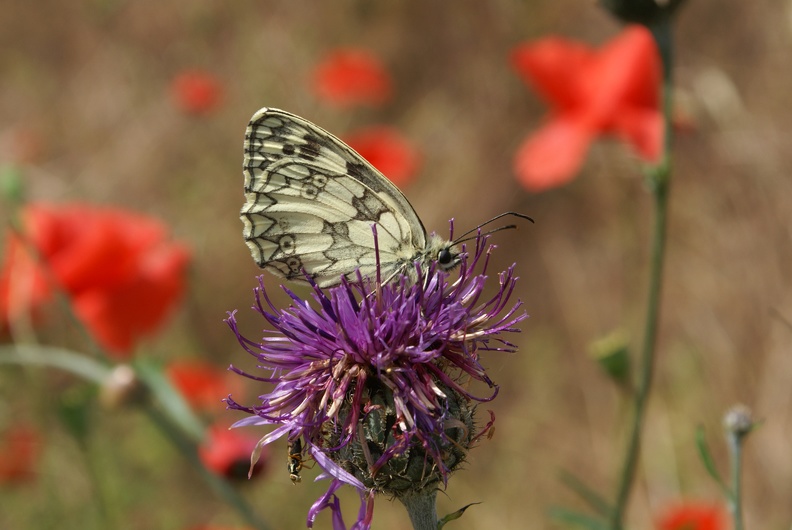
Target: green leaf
pixel 455 515
pixel 594 500
pixel 578 519
pixel 612 354
pixel 708 461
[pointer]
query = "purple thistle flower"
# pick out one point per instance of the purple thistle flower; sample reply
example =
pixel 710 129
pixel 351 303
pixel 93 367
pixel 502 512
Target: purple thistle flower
pixel 375 377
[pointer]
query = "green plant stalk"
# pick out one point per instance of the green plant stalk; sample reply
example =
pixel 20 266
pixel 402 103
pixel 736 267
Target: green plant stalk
pixel 93 370
pixel 220 486
pixel 659 182
pixel 735 499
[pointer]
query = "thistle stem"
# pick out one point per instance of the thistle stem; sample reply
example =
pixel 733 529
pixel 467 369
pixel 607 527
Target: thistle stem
pixel 422 509
pixel 659 180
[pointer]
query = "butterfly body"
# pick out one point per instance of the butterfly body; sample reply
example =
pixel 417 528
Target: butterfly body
pixel 311 201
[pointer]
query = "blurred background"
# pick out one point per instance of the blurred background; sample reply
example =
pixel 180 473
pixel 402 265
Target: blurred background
pixel 89 112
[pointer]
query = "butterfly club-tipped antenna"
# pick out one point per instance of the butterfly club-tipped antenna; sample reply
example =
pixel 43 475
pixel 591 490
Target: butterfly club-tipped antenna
pixel 448 257
pixel 464 237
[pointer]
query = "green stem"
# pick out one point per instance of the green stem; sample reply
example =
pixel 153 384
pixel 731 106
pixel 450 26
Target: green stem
pixel 174 428
pixel 422 510
pixel 220 486
pixel 53 357
pixel 735 499
pixel 659 180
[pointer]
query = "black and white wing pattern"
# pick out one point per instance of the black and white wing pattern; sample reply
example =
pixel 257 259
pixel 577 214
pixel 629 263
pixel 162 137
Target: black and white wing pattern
pixel 310 201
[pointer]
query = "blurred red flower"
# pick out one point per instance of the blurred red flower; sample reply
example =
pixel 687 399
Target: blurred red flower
pixel 202 384
pixel 196 92
pixel 122 275
pixel 692 516
pixel 611 91
pixel 19 449
pixel 351 76
pixel 227 453
pixel 388 151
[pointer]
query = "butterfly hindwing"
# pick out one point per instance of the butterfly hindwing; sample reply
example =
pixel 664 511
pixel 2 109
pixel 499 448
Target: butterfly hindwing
pixel 311 201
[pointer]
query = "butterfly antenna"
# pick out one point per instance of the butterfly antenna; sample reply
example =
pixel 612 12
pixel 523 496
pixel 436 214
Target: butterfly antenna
pixel 507 227
pixel 462 238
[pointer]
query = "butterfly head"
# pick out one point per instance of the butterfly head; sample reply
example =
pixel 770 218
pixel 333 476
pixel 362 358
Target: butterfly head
pixel 444 253
pixel 447 257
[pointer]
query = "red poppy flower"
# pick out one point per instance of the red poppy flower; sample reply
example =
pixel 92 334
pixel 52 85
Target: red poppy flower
pixel 611 91
pixel 351 76
pixel 19 450
pixel 202 384
pixel 693 516
pixel 388 151
pixel 121 273
pixel 196 92
pixel 227 452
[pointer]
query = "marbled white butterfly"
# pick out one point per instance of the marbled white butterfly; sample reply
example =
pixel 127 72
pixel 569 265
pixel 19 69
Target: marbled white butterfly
pixel 311 201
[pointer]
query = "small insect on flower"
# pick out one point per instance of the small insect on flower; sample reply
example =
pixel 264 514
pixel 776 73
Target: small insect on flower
pixel 311 201
pixel 295 462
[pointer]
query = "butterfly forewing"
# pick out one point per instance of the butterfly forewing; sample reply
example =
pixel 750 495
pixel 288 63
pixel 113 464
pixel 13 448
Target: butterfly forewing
pixel 311 201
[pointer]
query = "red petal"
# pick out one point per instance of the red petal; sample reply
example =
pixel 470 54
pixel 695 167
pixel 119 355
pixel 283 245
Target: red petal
pixel 388 151
pixel 121 315
pixel 23 286
pixel 693 516
pixel 643 129
pixel 553 155
pixel 18 453
pixel 202 384
pixel 227 452
pixel 554 67
pixel 196 92
pixel 119 269
pixel 625 76
pixel 352 76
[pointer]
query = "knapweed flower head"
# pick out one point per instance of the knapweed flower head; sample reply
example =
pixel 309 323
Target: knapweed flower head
pixel 374 377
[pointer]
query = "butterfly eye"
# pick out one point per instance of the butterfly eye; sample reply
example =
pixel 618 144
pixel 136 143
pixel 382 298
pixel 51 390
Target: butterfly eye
pixel 445 258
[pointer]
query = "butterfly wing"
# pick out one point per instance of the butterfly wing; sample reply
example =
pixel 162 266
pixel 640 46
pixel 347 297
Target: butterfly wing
pixel 311 201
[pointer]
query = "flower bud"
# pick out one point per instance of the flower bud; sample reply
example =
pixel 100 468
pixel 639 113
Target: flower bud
pixel 738 421
pixel 645 12
pixel 122 388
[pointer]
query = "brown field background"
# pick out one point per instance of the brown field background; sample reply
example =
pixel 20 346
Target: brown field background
pixel 91 80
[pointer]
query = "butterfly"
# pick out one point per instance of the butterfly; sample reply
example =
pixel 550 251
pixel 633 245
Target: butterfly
pixel 311 201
